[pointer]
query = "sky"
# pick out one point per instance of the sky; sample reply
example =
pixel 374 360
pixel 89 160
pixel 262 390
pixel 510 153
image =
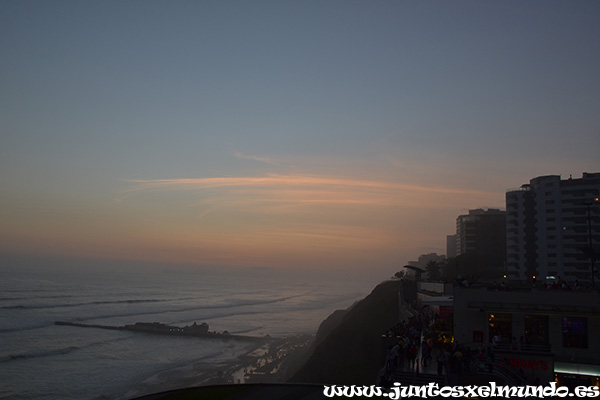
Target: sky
pixel 328 135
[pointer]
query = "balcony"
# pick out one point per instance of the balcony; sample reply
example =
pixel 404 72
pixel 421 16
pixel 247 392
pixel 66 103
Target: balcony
pixel 524 188
pixel 523 348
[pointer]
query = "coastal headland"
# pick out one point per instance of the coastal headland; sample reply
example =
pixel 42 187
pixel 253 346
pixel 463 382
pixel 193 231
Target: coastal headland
pixel 347 348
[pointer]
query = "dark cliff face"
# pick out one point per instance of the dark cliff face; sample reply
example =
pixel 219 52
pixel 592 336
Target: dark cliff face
pixel 351 353
pixel 327 326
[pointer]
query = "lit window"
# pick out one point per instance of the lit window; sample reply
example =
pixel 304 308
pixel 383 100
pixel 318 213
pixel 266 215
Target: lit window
pixel 574 332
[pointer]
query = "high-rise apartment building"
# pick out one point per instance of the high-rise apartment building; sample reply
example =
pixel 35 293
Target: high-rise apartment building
pixel 451 246
pixel 483 233
pixel 549 225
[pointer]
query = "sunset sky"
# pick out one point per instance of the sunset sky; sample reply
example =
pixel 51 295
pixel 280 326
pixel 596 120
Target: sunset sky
pixel 283 134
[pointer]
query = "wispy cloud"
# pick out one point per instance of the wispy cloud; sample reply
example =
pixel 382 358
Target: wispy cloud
pixel 302 216
pixel 264 160
pixel 313 189
pixel 289 181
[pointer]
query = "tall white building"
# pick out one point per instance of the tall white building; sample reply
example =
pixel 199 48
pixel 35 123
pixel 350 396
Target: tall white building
pixel 548 230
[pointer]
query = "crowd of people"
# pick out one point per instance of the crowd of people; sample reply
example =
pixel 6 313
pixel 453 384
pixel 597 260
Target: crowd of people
pixel 413 349
pixel 555 284
pixel 410 349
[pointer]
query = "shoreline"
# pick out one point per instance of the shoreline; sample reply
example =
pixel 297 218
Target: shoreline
pixel 271 362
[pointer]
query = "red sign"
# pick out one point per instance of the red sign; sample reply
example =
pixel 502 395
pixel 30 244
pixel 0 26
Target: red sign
pixel 529 364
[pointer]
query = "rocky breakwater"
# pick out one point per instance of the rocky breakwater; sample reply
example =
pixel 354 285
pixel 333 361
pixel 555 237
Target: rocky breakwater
pixel 171 330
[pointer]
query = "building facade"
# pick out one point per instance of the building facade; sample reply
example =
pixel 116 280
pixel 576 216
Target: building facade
pixel 483 233
pixel 552 226
pixel 451 246
pixel 548 334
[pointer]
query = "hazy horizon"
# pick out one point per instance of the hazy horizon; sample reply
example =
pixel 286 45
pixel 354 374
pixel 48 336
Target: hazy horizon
pixel 339 135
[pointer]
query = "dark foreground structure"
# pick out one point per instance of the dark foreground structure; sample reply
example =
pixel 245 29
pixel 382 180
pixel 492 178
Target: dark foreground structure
pixel 245 392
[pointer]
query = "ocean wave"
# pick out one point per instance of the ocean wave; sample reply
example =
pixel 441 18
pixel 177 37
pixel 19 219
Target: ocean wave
pixel 244 331
pixel 60 351
pixel 48 353
pixel 58 296
pixel 196 308
pixel 24 328
pixel 88 303
pixel 216 315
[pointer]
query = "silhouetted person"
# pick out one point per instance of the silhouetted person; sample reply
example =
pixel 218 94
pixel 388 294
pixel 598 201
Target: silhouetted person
pixel 440 362
pixel 490 360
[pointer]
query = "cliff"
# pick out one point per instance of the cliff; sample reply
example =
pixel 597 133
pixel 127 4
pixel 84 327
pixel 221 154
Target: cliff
pixel 348 346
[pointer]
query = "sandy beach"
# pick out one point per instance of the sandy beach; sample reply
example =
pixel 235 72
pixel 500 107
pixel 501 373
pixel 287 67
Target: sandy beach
pixel 269 362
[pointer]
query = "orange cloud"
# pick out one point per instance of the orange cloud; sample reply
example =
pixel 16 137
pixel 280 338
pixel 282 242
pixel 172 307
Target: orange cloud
pixel 270 220
pixel 316 186
pixel 309 212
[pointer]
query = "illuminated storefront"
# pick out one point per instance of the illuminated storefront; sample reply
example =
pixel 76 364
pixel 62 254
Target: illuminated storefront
pixel 545 335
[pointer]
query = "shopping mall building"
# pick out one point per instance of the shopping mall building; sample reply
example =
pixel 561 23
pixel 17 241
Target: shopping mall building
pixel 550 334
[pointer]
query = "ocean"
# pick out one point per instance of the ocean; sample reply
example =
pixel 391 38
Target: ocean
pixel 42 361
